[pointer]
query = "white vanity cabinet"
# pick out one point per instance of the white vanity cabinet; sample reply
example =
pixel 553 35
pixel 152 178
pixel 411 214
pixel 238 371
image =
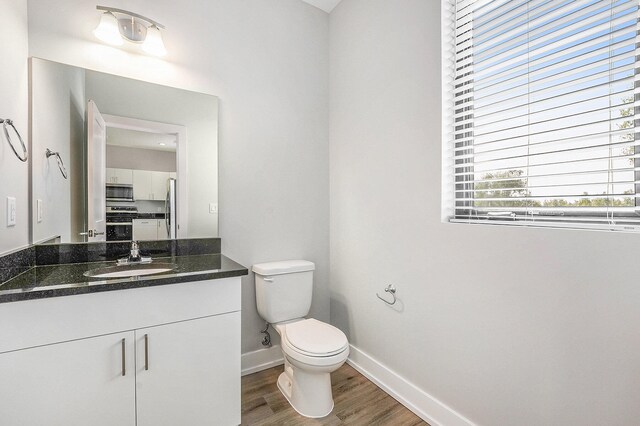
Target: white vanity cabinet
pixel 73 383
pixel 158 356
pixel 181 362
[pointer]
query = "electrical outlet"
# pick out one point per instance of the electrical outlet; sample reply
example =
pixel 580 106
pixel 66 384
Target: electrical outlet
pixel 11 211
pixel 213 208
pixel 39 210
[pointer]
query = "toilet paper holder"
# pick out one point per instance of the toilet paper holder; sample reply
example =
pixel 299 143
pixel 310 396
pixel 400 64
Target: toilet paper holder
pixel 392 291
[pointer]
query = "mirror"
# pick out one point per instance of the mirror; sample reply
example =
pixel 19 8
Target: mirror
pixel 116 159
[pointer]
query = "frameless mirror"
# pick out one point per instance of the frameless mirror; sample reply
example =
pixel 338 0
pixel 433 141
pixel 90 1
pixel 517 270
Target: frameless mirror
pixel 116 159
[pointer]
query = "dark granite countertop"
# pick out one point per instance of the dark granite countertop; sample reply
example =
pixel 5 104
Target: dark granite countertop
pixel 67 279
pixel 150 216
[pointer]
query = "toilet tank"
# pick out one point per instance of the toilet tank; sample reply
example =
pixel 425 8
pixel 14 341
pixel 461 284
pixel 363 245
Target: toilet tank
pixel 284 289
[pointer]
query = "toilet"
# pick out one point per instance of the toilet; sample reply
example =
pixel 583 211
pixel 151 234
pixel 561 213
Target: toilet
pixel 312 349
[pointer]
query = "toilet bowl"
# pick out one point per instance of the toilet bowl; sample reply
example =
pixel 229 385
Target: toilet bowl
pixel 312 349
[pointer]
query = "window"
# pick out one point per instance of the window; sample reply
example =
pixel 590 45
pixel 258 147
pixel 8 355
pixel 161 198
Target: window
pixel 543 115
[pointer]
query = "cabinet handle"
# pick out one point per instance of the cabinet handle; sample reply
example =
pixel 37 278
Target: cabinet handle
pixel 146 352
pixel 124 356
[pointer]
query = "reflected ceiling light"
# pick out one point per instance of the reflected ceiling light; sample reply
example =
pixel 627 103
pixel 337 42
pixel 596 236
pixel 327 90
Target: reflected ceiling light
pixel 117 25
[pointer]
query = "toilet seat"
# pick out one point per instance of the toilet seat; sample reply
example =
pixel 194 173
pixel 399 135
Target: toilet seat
pixel 315 338
pixel 314 342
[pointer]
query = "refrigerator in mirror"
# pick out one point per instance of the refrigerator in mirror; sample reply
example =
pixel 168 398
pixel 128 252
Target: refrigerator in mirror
pixel 170 208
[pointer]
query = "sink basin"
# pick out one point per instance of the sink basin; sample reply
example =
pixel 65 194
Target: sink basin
pixel 130 270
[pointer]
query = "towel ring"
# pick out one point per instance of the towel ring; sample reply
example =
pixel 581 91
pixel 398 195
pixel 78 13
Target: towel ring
pixel 63 170
pixel 392 291
pixel 8 122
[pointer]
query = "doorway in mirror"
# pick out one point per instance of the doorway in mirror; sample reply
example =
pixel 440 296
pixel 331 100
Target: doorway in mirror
pixel 145 180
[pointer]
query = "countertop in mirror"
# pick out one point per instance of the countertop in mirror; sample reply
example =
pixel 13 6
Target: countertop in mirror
pixel 68 279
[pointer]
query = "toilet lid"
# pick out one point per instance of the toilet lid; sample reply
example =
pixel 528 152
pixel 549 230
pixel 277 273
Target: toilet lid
pixel 315 337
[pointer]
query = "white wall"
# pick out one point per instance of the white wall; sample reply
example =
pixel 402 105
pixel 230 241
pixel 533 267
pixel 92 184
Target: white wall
pixel 268 63
pixel 122 157
pixel 57 111
pixel 147 206
pixel 505 325
pixel 14 175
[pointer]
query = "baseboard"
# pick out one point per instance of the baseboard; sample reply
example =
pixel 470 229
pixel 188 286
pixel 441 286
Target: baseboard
pixel 259 360
pixel 421 403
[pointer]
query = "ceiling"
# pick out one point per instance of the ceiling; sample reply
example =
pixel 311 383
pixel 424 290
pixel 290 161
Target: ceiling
pixel 326 5
pixel 142 140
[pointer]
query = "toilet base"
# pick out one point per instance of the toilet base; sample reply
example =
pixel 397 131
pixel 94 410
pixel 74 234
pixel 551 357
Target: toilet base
pixel 309 394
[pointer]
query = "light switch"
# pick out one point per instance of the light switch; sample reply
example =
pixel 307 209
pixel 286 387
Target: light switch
pixel 213 208
pixel 39 210
pixel 11 211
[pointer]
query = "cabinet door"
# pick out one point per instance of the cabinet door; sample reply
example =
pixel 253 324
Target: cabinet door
pixel 142 185
pixel 145 229
pixel 163 232
pixel 111 175
pixel 76 383
pixel 124 176
pixel 159 185
pixel 120 176
pixel 188 373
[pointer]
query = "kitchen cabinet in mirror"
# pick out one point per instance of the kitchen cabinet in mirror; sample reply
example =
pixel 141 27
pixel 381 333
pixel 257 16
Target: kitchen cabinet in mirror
pixel 133 150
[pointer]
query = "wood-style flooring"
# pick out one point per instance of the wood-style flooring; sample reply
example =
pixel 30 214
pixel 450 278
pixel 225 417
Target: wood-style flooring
pixel 357 402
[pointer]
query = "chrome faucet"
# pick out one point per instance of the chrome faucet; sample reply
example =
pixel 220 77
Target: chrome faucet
pixel 134 256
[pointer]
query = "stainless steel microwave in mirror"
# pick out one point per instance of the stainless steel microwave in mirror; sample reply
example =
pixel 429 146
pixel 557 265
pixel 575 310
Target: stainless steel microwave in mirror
pixel 119 192
pixel 136 160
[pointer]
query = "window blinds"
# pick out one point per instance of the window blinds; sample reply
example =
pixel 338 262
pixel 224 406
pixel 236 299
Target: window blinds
pixel 545 107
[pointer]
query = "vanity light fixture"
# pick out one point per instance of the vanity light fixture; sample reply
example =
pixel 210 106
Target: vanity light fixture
pixel 117 25
pixel 153 44
pixel 107 30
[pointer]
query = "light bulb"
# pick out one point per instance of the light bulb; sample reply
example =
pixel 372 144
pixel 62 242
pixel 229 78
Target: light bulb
pixel 153 44
pixel 107 30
